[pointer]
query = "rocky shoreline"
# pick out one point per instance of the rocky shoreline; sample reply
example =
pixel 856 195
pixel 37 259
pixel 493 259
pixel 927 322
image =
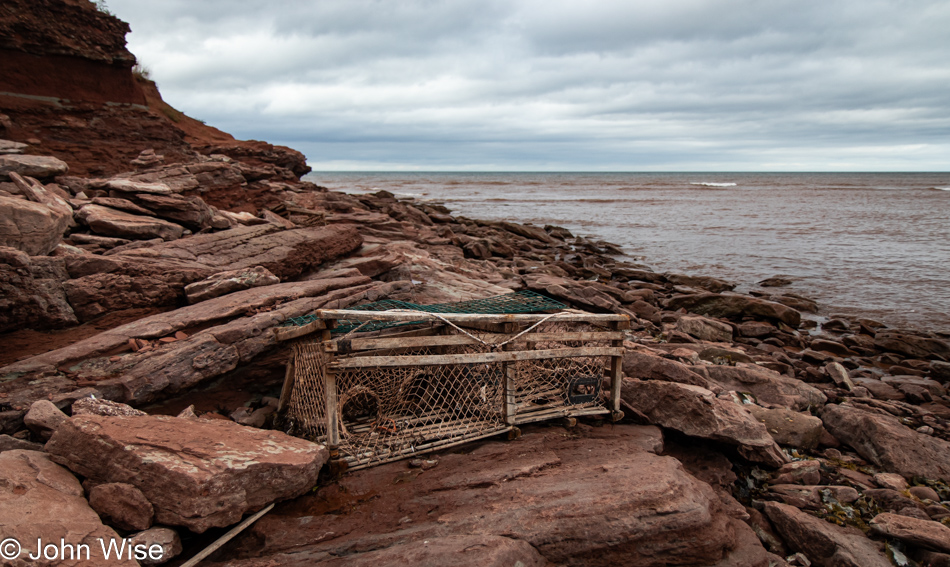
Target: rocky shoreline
pixel 139 380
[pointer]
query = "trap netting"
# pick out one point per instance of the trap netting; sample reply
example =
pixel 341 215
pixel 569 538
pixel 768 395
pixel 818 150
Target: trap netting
pixel 384 398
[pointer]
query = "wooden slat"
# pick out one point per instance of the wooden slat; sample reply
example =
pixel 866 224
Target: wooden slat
pixel 616 373
pixel 440 359
pixel 287 333
pixel 465 317
pixel 447 340
pixel 288 386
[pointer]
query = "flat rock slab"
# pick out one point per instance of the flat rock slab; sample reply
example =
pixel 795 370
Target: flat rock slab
pixel 789 427
pixel 730 306
pixel 286 253
pixel 450 551
pixel 42 500
pixel 113 222
pixel 697 412
pixel 822 542
pixel 584 496
pixel 34 166
pixel 196 473
pixel 926 533
pixel 767 386
pixel 224 283
pixel 889 444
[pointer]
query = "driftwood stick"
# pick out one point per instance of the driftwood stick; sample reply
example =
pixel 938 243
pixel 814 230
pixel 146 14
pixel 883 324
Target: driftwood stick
pixel 226 537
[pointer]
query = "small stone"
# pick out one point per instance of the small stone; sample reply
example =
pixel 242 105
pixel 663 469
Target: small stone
pixel 890 480
pixel 188 413
pixel 798 472
pixel 925 429
pixel 167 538
pixel 43 418
pixel 925 493
pixel 121 505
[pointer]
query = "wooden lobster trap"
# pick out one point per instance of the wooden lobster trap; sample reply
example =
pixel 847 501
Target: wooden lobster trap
pixel 379 396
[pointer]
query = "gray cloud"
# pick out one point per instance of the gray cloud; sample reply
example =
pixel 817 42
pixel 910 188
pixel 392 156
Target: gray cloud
pixel 558 85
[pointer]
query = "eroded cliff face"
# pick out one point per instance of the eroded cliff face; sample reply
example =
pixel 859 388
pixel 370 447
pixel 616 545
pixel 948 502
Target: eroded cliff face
pixel 68 90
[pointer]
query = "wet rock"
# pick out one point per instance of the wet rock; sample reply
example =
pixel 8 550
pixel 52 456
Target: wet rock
pixel 932 386
pixel 880 390
pixel 729 305
pixel 756 329
pixel 924 533
pixel 121 505
pixel 822 542
pixel 787 427
pixel 195 473
pixel 42 500
pixel 637 364
pixel 886 442
pixel 890 499
pixel 112 222
pixel 767 386
pixel 714 285
pixel 32 293
pixel 705 329
pixel 41 167
pixel 228 282
pixel 831 347
pixel 43 418
pixel 912 346
pixel 697 412
pixel 776 281
pixel 166 538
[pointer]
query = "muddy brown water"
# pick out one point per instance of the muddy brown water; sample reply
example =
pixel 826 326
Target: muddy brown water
pixel 868 244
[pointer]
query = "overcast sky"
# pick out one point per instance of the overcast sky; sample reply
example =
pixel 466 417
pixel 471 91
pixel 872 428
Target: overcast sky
pixel 635 85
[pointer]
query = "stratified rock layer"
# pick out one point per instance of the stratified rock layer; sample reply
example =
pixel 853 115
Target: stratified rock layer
pixel 196 473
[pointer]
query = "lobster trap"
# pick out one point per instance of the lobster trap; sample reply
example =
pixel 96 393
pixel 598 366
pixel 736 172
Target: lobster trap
pixel 435 380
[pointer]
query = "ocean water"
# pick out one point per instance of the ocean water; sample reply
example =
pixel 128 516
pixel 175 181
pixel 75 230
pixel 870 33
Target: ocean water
pixel 869 244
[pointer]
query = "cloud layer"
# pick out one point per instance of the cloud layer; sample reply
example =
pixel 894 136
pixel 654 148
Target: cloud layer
pixel 558 85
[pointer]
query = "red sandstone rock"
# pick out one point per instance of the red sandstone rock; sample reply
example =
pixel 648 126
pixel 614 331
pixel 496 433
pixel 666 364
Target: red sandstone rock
pixel 638 364
pixel 31 290
pixel 42 500
pixel 599 496
pixel 925 533
pixel 199 474
pixel 823 542
pixel 768 386
pixel 886 442
pixel 730 305
pixel 697 412
pixel 111 222
pixel 705 329
pixel 224 283
pixel 121 505
pixel 795 429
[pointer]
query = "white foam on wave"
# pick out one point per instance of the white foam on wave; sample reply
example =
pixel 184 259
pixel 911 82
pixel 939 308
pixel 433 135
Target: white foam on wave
pixel 942 188
pixel 710 184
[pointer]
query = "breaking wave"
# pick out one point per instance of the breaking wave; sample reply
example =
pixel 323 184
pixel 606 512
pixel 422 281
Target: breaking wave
pixel 710 184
